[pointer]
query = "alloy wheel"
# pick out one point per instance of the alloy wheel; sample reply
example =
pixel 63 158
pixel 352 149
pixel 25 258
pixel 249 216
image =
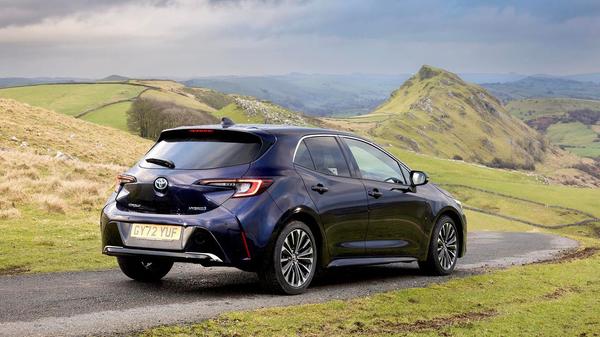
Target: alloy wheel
pixel 447 246
pixel 297 257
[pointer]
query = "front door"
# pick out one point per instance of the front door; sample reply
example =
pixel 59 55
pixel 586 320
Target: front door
pixel 396 214
pixel 341 200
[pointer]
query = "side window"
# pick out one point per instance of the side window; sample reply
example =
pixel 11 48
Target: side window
pixel 327 156
pixel 375 164
pixel 303 158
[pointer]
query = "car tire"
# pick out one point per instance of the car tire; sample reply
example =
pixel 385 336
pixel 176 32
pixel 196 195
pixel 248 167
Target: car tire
pixel 291 264
pixel 443 249
pixel 144 269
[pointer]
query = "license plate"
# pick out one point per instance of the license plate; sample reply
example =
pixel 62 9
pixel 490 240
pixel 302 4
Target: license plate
pixel 155 232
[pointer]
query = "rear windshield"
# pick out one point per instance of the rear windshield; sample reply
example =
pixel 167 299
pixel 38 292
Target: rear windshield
pixel 189 150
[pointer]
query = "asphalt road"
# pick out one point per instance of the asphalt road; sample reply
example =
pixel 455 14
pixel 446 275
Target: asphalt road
pixel 106 302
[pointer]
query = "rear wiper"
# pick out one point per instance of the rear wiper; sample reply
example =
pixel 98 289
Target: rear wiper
pixel 161 162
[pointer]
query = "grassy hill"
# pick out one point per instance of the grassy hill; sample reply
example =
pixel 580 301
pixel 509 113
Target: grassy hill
pixel 435 112
pixel 56 173
pixel 573 124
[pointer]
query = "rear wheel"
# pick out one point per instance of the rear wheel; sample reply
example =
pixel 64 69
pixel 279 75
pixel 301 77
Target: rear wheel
pixel 292 264
pixel 144 269
pixel 443 249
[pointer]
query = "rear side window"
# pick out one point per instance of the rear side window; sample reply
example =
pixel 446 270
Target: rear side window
pixel 327 156
pixel 205 149
pixel 303 158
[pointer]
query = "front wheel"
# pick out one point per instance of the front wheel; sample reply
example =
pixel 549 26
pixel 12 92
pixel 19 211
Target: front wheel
pixel 292 264
pixel 443 249
pixel 144 269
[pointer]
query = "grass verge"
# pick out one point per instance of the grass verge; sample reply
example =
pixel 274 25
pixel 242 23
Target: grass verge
pixel 558 299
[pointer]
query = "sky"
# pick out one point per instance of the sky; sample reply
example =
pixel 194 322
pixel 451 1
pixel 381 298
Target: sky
pixel 191 38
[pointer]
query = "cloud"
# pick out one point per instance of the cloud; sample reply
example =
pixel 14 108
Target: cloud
pixel 24 12
pixel 205 37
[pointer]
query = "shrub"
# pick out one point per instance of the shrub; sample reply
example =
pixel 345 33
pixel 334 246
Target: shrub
pixel 499 163
pixel 148 117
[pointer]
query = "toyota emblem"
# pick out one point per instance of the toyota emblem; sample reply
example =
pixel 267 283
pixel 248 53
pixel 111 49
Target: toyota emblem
pixel 161 184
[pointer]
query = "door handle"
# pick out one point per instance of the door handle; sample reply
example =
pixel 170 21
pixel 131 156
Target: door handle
pixel 375 193
pixel 319 188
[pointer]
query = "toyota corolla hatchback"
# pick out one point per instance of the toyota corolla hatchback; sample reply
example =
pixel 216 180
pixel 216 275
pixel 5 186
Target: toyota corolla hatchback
pixel 281 201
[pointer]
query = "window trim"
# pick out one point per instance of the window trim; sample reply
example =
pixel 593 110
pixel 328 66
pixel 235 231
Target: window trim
pixel 344 148
pixel 309 156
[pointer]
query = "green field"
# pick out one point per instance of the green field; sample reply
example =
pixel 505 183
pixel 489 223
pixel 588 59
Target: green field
pixel 532 108
pixel 114 115
pixel 575 137
pixel 71 99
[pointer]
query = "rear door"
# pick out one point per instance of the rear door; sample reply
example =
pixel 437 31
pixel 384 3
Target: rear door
pixel 396 215
pixel 340 199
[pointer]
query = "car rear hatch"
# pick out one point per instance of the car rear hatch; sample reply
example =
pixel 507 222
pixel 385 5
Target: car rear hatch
pixel 190 171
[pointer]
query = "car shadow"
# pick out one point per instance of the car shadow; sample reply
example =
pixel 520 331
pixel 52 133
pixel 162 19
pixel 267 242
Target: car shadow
pixel 227 283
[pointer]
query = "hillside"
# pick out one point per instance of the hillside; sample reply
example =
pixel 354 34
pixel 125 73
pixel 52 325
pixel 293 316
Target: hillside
pixel 107 103
pixel 543 86
pixel 56 173
pixel 43 132
pixel 435 112
pixel 572 124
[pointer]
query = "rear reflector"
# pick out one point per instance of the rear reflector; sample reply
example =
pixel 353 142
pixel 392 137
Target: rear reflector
pixel 245 243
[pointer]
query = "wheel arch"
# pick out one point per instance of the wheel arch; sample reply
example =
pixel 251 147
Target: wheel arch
pixel 458 220
pixel 311 218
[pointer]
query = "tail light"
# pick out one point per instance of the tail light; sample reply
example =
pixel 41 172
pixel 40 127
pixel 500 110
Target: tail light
pixel 123 179
pixel 243 187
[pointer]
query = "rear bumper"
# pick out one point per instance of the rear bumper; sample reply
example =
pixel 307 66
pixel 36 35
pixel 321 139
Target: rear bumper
pixel 212 238
pixel 193 257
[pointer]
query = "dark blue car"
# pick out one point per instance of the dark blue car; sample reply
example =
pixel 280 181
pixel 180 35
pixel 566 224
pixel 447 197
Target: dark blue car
pixel 282 201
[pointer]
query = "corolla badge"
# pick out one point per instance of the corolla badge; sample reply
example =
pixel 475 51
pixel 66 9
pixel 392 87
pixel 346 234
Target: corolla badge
pixel 161 183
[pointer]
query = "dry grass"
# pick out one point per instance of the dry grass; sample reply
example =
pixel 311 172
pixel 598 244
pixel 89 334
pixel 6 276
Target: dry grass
pixel 43 132
pixel 9 213
pixel 54 185
pixel 54 201
pixel 35 174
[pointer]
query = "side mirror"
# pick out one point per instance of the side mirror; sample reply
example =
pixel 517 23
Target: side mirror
pixel 418 178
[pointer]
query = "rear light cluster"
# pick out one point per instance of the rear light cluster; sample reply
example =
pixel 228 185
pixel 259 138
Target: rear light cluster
pixel 123 179
pixel 244 187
